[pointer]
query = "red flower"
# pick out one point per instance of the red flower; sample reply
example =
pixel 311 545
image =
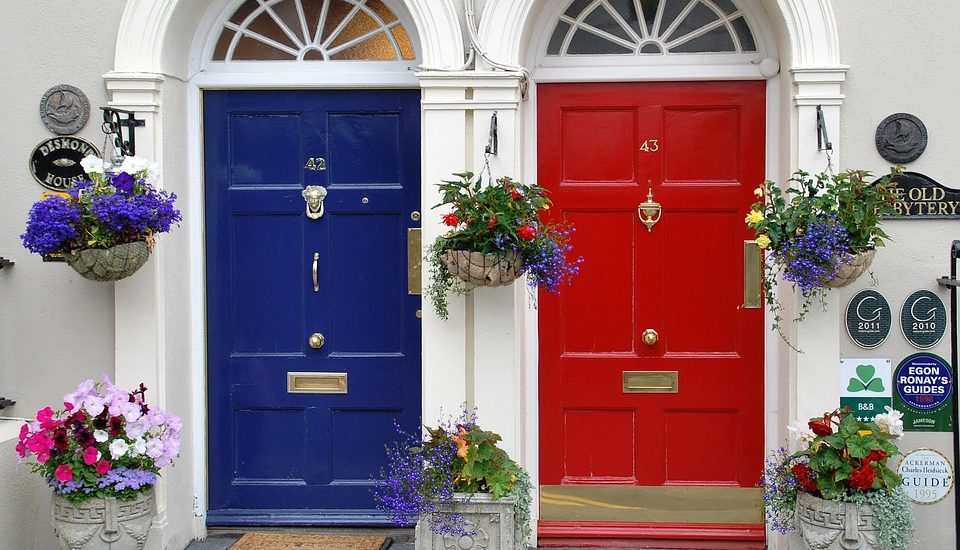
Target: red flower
pixel 60 439
pixel 514 194
pixel 90 456
pixel 820 427
pixel 800 470
pixel 862 477
pixel 527 233
pixel 876 455
pixel 64 472
pixel 492 222
pixel 452 220
pixel 116 426
pixel 103 467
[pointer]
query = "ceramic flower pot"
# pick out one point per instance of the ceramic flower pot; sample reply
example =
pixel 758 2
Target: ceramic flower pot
pixel 836 525
pixel 104 523
pixel 109 264
pixel 482 269
pixel 491 523
pixel 851 267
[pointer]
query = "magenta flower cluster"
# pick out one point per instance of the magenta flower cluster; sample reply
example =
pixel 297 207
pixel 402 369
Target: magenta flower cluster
pixel 104 442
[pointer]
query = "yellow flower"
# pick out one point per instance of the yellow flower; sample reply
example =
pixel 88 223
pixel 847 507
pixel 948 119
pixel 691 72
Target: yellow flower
pixel 762 241
pixel 864 433
pixel 755 216
pixel 758 191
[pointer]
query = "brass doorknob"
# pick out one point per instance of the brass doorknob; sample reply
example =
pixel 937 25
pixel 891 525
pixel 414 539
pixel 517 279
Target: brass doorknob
pixel 316 340
pixel 650 337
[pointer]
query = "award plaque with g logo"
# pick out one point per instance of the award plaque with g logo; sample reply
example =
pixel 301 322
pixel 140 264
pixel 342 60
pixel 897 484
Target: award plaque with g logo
pixel 923 319
pixel 868 319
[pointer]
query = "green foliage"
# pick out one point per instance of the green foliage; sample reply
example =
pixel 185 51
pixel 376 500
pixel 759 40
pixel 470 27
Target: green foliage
pixel 894 513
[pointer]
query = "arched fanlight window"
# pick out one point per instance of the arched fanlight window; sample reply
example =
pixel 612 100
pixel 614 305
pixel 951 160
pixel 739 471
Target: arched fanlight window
pixel 313 30
pixel 651 27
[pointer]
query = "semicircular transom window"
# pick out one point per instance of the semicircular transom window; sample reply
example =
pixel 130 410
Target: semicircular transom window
pixel 313 30
pixel 651 27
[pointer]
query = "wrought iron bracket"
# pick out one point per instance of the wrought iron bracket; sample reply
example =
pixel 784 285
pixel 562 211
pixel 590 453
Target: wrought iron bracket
pixel 4 402
pixel 115 123
pixel 493 144
pixel 5 262
pixel 952 283
pixel 823 140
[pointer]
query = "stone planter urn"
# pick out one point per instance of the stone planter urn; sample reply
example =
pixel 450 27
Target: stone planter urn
pixel 836 525
pixel 104 523
pixel 491 523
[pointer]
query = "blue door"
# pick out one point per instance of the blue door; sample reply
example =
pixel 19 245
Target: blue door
pixel 296 432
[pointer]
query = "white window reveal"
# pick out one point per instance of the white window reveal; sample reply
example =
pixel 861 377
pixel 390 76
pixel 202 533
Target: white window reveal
pixel 650 27
pixel 313 30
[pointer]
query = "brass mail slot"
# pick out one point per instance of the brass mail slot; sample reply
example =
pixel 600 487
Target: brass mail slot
pixel 414 262
pixel 752 265
pixel 316 382
pixel 650 381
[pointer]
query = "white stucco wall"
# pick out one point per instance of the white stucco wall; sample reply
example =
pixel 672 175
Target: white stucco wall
pixel 56 328
pixel 900 60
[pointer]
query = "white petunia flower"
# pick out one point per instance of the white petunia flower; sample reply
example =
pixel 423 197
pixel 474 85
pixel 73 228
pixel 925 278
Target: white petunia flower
pixel 802 434
pixel 139 447
pixel 132 165
pixel 890 422
pixel 100 435
pixel 153 173
pixel 92 164
pixel 118 448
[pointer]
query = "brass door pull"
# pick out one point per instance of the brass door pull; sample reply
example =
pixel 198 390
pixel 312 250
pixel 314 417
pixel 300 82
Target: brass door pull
pixel 316 340
pixel 316 277
pixel 650 337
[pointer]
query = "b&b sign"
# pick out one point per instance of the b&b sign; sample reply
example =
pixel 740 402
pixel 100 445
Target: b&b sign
pixel 865 386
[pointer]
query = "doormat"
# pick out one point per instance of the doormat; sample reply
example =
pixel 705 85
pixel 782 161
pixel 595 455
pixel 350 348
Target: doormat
pixel 283 541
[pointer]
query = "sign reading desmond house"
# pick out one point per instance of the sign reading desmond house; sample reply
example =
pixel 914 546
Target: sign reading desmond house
pixel 55 163
pixel 920 197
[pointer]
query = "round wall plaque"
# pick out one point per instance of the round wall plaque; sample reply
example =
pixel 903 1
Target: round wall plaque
pixel 868 319
pixel 55 163
pixel 901 138
pixel 923 319
pixel 64 109
pixel 927 475
pixel 924 382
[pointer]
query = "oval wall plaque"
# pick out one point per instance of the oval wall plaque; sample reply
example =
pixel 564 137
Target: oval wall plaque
pixel 868 319
pixel 923 319
pixel 55 163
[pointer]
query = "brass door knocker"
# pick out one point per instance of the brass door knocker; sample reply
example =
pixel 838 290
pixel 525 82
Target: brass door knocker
pixel 314 195
pixel 649 211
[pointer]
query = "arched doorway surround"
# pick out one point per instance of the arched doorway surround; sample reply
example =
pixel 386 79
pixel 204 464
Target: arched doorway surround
pixel 159 313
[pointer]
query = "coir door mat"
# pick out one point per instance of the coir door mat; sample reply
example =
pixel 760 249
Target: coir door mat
pixel 283 541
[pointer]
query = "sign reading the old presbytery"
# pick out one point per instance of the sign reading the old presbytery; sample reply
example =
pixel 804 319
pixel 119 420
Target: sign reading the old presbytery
pixel 55 163
pixel 919 197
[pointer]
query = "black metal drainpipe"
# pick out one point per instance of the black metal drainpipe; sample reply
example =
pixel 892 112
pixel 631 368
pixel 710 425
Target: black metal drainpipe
pixel 952 283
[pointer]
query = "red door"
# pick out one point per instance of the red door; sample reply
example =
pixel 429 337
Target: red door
pixel 651 363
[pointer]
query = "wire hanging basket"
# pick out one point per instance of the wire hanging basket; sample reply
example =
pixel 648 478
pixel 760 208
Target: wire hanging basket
pixel 109 264
pixel 482 269
pixel 851 268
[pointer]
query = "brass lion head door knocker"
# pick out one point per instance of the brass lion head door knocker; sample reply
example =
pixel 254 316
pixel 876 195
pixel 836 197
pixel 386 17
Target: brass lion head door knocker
pixel 313 195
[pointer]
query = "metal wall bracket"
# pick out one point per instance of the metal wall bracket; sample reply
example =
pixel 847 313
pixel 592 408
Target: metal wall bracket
pixel 4 402
pixel 823 140
pixel 492 139
pixel 114 123
pixel 5 262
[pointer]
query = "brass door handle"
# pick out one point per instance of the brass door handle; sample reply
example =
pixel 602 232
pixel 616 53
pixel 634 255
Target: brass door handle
pixel 316 340
pixel 650 337
pixel 316 278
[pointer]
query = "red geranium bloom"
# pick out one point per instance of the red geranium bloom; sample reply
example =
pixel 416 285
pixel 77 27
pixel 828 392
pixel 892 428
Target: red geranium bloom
pixel 514 194
pixel 492 222
pixel 451 219
pixel 820 427
pixel 876 455
pixel 862 477
pixel 527 233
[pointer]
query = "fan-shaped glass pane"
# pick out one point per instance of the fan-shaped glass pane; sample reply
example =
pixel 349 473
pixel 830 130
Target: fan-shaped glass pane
pixel 643 27
pixel 313 30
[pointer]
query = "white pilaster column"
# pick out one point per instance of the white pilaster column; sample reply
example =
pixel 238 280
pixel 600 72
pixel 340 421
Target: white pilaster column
pixel 138 299
pixel 816 370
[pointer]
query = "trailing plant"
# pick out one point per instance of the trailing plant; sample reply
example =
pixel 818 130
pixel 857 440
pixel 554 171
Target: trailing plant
pixel 501 218
pixel 841 458
pixel 814 226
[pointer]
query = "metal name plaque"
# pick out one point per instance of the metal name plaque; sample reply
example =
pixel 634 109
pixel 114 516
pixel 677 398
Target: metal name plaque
pixel 920 197
pixel 923 319
pixel 868 319
pixel 55 163
pixel 901 138
pixel 64 109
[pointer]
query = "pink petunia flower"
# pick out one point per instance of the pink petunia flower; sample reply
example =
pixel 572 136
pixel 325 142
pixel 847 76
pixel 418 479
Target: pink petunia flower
pixel 43 456
pixel 103 467
pixel 90 456
pixel 64 473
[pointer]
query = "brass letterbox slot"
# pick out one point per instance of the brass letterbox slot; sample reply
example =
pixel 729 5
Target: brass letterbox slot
pixel 316 382
pixel 650 381
pixel 414 262
pixel 752 265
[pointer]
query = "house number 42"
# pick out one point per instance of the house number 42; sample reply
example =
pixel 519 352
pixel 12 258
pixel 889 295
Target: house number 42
pixel 316 164
pixel 650 146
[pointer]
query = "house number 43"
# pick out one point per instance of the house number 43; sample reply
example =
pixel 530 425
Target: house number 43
pixel 650 146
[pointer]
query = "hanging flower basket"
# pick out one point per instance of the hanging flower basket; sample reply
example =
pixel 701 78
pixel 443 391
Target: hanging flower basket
pixel 851 267
pixel 109 264
pixel 482 269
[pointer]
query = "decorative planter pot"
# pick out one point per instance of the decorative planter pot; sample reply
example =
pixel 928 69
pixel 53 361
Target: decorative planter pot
pixel 482 269
pixel 109 264
pixel 491 523
pixel 835 525
pixel 104 523
pixel 852 267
